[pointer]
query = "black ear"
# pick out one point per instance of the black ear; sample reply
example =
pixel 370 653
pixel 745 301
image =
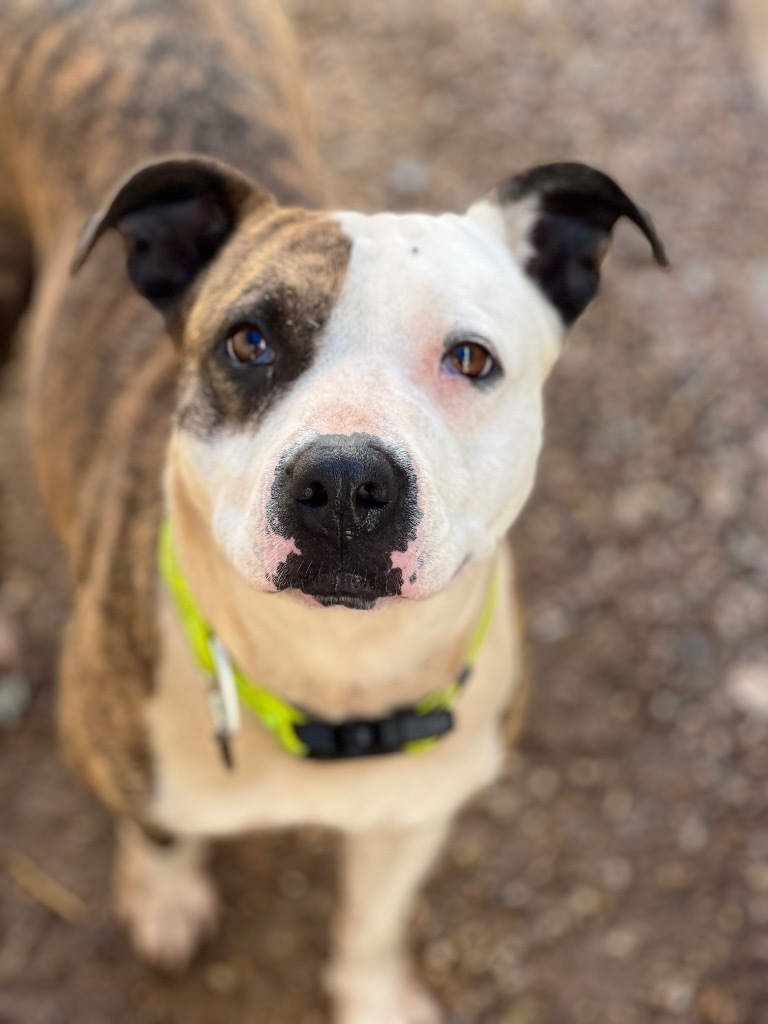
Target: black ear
pixel 173 215
pixel 571 209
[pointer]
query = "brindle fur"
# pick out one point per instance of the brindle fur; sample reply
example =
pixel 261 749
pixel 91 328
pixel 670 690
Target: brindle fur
pixel 72 120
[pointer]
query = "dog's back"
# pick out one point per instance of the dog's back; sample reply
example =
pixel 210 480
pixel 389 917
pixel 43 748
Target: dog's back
pixel 91 87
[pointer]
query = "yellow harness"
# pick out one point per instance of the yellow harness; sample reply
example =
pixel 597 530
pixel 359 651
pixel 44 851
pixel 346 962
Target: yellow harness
pixel 412 730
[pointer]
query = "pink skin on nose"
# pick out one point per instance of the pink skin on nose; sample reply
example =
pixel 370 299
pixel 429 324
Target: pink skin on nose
pixel 408 563
pixel 275 552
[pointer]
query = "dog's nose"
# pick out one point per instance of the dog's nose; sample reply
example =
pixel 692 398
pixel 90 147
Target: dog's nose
pixel 342 487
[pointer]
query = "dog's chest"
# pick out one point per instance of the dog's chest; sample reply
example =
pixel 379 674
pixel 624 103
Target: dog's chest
pixel 195 793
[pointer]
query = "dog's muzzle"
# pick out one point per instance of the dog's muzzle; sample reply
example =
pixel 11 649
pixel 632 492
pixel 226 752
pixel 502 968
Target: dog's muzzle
pixel 347 503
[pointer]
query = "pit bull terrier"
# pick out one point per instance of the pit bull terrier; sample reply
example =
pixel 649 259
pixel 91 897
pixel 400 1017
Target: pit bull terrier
pixel 283 459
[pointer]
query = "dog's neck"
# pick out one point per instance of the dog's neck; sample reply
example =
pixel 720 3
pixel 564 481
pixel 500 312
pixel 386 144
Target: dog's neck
pixel 336 661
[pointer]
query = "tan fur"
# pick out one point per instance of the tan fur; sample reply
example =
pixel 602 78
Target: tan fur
pixel 518 706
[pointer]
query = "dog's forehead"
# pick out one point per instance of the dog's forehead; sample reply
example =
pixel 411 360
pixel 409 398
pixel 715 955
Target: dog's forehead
pixel 445 273
pixel 404 244
pixel 407 228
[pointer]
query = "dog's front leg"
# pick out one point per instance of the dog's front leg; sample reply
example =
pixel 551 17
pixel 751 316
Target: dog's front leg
pixel 163 895
pixel 370 978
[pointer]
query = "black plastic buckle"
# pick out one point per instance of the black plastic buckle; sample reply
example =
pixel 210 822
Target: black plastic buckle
pixel 372 737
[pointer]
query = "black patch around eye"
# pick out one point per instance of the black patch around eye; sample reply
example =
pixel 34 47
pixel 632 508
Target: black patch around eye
pixel 228 393
pixel 289 295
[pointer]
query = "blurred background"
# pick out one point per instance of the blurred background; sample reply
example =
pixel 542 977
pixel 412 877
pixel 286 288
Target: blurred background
pixel 618 874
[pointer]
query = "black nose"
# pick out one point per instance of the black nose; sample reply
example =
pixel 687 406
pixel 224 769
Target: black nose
pixel 343 487
pixel 348 502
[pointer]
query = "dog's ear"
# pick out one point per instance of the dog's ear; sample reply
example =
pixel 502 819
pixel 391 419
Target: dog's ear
pixel 557 219
pixel 173 216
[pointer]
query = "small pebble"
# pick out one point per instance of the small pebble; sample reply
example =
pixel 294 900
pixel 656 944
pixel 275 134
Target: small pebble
pixel 516 894
pixel 756 875
pixel 618 804
pixel 586 901
pixel 757 910
pixel 625 707
pixel 621 943
pixel 502 802
pixel 550 624
pixel 15 698
pixel 693 835
pixel 525 1010
pixel 664 706
pixel 729 919
pixel 221 978
pixel 616 873
pixel 758 281
pixel 675 995
pixel 718 1006
pixel 9 648
pixel 672 877
pixel 552 925
pixel 544 783
pixel 410 176
pixel 584 772
pixel 747 687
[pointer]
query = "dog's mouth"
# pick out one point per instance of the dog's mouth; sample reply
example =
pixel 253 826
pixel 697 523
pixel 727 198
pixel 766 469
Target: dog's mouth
pixel 343 587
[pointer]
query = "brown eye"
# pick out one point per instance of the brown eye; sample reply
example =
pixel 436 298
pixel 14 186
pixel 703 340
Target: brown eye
pixel 470 359
pixel 248 347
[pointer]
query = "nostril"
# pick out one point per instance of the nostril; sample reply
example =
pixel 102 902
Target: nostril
pixel 312 495
pixel 371 495
pixel 341 483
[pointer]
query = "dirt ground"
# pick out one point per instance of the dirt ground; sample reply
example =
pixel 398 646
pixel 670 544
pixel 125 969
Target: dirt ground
pixel 618 874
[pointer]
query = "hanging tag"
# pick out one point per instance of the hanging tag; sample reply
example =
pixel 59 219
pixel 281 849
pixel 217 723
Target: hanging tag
pixel 223 700
pixel 225 750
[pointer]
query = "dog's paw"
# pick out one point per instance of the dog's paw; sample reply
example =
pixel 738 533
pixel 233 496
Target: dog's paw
pixel 411 1005
pixel 167 924
pixel 165 901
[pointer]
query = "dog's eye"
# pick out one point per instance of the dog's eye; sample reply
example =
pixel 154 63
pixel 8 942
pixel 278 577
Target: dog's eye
pixel 247 346
pixel 470 359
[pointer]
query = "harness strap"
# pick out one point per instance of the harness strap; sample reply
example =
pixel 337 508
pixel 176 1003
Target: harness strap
pixel 410 729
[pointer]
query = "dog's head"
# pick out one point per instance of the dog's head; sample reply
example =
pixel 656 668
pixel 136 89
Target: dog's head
pixel 360 403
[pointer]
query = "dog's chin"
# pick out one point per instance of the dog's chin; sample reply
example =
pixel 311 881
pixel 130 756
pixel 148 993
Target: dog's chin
pixel 338 590
pixel 358 604
pixel 342 590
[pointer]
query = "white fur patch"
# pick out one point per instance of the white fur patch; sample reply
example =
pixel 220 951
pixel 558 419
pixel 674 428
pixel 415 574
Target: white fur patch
pixel 413 281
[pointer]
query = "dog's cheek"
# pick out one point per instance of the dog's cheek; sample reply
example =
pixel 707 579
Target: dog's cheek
pixel 511 457
pixel 439 548
pixel 475 480
pixel 215 475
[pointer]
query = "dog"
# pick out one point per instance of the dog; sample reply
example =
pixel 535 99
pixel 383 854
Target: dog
pixel 283 458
